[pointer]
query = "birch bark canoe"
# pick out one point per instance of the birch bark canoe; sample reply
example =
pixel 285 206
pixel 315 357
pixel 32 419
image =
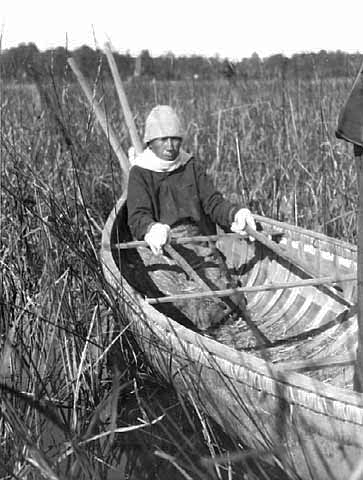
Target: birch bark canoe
pixel 311 415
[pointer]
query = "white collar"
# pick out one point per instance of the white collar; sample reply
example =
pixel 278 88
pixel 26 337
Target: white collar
pixel 147 159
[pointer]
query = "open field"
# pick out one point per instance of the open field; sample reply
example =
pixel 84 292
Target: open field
pixel 78 401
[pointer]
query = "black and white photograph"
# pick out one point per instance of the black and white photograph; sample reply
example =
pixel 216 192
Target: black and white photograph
pixel 181 240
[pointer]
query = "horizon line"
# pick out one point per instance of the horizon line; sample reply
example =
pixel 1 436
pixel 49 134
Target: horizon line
pixel 170 53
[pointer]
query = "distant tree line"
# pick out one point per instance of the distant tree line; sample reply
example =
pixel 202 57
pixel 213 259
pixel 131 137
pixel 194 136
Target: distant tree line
pixel 23 62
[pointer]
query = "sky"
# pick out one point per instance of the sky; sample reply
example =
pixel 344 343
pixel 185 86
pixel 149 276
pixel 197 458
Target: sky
pixel 230 28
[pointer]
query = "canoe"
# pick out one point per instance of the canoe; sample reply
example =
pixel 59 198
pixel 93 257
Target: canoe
pixel 293 395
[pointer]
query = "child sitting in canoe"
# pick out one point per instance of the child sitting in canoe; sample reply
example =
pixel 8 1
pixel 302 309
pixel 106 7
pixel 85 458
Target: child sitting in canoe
pixel 169 195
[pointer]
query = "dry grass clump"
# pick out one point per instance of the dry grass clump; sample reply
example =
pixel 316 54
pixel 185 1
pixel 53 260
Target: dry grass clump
pixel 77 399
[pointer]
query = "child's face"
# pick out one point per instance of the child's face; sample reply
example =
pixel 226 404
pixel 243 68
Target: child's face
pixel 166 148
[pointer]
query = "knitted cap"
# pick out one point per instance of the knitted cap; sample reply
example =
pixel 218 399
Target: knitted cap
pixel 161 122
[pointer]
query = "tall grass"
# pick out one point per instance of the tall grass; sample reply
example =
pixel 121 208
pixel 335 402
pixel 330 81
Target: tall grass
pixel 295 168
pixel 77 398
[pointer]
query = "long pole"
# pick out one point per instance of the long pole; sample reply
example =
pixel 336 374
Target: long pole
pixel 358 372
pixel 265 287
pixel 350 128
pixel 102 120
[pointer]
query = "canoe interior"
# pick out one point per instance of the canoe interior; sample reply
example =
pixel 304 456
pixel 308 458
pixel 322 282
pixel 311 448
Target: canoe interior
pixel 301 322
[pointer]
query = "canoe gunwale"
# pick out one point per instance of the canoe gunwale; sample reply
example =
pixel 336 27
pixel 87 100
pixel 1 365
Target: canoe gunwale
pixel 281 226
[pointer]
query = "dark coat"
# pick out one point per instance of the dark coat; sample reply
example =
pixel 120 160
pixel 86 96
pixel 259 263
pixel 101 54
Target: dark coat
pixel 184 195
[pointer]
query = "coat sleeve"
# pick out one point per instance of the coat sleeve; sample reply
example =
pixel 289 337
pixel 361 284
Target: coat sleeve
pixel 220 210
pixel 139 203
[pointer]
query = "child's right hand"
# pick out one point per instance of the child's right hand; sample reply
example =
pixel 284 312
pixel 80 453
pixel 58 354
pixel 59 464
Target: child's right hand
pixel 157 237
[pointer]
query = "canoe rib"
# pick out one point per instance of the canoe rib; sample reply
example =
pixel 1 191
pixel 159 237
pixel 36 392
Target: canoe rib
pixel 297 389
pixel 316 364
